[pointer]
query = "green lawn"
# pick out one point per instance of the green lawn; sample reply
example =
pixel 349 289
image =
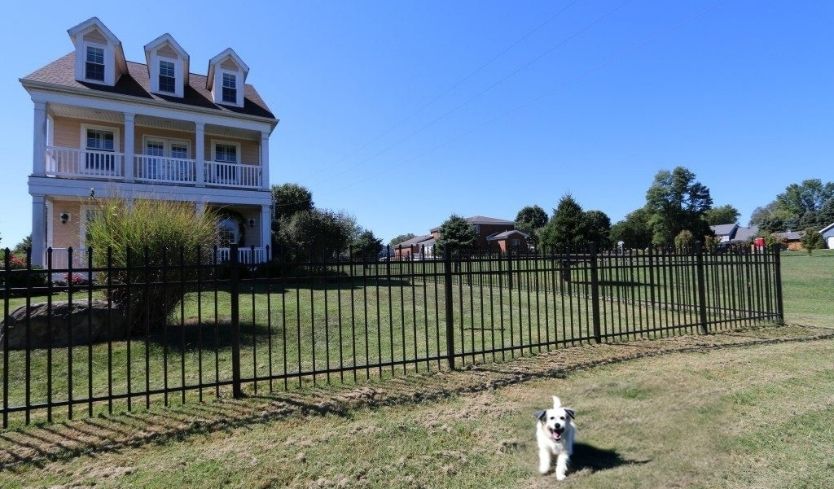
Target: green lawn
pixel 808 283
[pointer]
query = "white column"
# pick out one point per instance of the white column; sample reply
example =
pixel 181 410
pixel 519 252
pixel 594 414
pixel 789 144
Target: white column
pixel 200 153
pixel 129 146
pixel 200 207
pixel 265 160
pixel 266 225
pixel 39 140
pixel 38 229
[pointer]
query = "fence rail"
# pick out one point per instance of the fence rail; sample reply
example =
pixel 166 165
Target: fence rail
pixel 129 331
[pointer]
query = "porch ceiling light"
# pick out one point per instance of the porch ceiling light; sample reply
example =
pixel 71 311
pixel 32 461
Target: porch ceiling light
pixel 64 217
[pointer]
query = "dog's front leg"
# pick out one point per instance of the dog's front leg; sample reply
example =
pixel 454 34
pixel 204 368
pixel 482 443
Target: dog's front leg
pixel 561 466
pixel 544 460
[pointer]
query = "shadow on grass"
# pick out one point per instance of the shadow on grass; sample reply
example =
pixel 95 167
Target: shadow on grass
pixel 593 459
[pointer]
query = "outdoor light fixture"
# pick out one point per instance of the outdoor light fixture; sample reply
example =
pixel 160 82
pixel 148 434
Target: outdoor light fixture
pixel 64 217
pixel 251 223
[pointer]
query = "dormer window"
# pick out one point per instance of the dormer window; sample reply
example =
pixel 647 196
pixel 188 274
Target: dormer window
pixel 167 76
pixel 229 88
pixel 94 68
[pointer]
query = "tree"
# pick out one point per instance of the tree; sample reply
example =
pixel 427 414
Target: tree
pixel 634 231
pixel 806 204
pixel 315 234
pixel 24 246
pixel 530 220
pixel 456 235
pixel 812 240
pixel 399 239
pixel 676 201
pixel 567 226
pixel 597 226
pixel 366 245
pixel 290 198
pixel 725 214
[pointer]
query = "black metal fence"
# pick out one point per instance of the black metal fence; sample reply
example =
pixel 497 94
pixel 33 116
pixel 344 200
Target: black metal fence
pixel 135 331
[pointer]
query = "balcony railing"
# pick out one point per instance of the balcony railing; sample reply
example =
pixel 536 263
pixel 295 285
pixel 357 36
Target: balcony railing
pixel 233 174
pixel 72 162
pixel 80 163
pixel 248 256
pixel 165 170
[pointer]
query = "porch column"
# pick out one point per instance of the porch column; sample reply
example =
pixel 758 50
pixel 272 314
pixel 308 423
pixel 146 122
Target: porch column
pixel 265 160
pixel 129 147
pixel 200 153
pixel 266 225
pixel 38 229
pixel 39 141
pixel 200 207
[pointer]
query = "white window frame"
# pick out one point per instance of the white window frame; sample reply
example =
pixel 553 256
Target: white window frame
pixel 218 86
pixel 215 142
pixel 178 75
pixel 116 136
pixel 166 145
pixel 108 66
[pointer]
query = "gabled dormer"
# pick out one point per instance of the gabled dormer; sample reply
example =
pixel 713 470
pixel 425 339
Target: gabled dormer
pixel 168 66
pixel 226 77
pixel 99 57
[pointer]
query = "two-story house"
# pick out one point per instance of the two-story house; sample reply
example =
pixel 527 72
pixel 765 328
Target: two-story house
pixel 152 130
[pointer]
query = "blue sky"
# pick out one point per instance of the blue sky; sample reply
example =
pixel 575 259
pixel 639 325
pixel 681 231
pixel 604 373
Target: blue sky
pixel 401 113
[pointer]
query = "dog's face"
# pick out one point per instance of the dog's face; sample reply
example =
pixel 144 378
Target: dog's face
pixel 556 419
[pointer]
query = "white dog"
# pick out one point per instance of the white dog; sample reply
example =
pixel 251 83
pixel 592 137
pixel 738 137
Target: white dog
pixel 554 433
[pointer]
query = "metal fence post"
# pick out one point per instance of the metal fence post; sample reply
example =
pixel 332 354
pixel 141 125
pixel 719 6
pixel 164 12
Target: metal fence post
pixel 702 289
pixel 450 323
pixel 595 294
pixel 234 292
pixel 777 265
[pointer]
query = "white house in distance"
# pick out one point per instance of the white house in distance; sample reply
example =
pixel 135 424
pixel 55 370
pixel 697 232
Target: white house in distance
pixel 150 130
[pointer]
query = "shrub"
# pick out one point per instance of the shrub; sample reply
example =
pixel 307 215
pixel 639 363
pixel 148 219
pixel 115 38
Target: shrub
pixel 162 231
pixel 812 240
pixel 684 240
pixel 17 278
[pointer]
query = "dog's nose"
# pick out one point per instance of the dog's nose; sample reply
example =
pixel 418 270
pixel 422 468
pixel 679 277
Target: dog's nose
pixel 558 426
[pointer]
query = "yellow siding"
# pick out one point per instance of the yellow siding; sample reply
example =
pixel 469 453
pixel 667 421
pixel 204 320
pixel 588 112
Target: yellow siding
pixel 249 150
pixel 66 235
pixel 229 65
pixel 67 132
pixel 167 51
pixel 95 36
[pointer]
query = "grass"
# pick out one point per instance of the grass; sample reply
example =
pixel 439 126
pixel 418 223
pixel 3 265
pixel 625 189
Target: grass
pixel 732 418
pixel 380 327
pixel 808 284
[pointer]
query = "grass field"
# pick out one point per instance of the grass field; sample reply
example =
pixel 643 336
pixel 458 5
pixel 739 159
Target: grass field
pixel 733 418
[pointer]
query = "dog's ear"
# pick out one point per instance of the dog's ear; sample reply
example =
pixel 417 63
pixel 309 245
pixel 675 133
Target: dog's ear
pixel 557 403
pixel 540 415
pixel 571 413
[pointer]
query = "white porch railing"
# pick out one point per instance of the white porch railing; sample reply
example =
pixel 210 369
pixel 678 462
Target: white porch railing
pixel 246 256
pixel 166 170
pixel 70 162
pixel 60 259
pixel 233 174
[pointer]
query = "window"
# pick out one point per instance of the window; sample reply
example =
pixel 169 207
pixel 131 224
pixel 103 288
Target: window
pixel 99 144
pixel 228 232
pixel 179 150
pixel 95 64
pixel 167 77
pixel 225 153
pixel 229 88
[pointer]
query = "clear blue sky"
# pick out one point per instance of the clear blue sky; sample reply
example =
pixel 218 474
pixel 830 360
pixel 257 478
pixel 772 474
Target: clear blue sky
pixel 404 112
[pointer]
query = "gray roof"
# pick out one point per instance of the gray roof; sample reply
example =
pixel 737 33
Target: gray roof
pixel 506 234
pixel 790 235
pixel 826 228
pixel 413 241
pixel 724 229
pixel 746 233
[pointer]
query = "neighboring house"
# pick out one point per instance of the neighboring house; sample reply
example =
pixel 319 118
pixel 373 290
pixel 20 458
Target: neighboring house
pixel 150 130
pixel 724 233
pixel 791 239
pixel 513 240
pixel 484 227
pixel 828 235
pixel 417 247
pixel 745 234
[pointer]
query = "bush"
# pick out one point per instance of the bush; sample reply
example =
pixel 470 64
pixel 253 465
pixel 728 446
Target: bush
pixel 812 240
pixel 164 231
pixel 17 277
pixel 684 241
